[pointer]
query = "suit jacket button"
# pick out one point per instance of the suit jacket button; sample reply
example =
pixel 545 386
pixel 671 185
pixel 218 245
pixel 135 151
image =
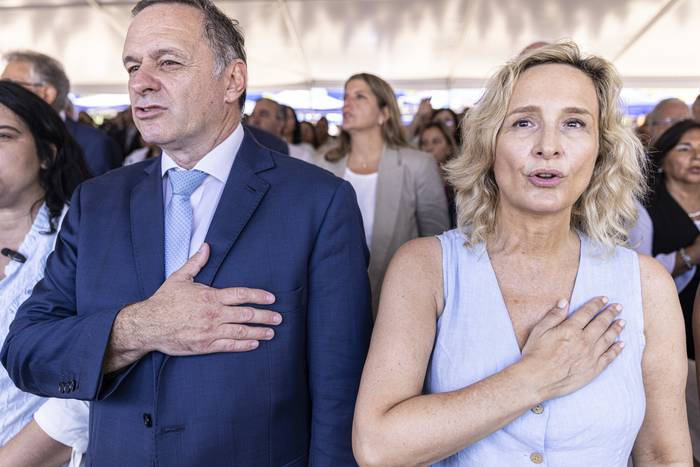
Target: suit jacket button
pixel 147 420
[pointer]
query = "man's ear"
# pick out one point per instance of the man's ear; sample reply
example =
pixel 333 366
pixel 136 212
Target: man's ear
pixel 237 80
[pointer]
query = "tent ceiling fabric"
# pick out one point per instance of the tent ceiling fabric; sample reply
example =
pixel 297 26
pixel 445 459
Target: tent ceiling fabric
pixel 412 43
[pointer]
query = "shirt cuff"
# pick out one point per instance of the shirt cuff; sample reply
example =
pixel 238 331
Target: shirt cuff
pixel 66 421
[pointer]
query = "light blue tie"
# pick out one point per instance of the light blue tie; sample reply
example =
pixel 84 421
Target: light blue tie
pixel 179 217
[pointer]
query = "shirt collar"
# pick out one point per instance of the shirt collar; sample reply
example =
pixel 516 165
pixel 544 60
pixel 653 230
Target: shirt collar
pixel 217 162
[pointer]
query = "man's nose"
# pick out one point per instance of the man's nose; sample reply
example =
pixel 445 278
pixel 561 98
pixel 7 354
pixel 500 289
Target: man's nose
pixel 142 81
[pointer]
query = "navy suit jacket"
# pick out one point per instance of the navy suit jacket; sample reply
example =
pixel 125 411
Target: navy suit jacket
pixel 267 139
pixel 281 225
pixel 100 151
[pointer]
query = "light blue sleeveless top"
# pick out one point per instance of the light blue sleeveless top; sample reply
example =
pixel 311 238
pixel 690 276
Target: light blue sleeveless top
pixel 594 426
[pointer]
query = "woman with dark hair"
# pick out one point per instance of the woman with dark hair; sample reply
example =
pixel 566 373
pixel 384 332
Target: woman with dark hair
pixel 41 166
pixel 671 233
pixel 674 209
pixel 399 189
pixel 436 139
pixel 308 135
pixel 290 131
pixel 449 118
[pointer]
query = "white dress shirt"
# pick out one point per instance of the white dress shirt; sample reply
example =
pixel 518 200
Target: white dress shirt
pixel 217 165
pixel 66 421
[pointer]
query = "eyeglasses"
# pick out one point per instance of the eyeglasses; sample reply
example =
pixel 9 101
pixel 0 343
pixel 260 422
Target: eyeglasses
pixel 26 84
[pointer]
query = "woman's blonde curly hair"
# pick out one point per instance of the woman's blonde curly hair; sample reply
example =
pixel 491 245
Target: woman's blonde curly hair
pixel 606 209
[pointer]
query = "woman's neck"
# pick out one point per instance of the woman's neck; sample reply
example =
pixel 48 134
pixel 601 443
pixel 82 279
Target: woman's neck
pixel 366 148
pixel 15 222
pixel 686 194
pixel 534 236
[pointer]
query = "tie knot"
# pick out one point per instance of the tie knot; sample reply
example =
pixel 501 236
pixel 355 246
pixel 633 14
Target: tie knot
pixel 184 182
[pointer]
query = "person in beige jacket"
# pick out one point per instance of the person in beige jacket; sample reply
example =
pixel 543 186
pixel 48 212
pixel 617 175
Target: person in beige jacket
pixel 399 189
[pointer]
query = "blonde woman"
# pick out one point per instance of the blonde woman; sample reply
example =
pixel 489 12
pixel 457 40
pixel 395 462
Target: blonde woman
pixel 501 343
pixel 399 189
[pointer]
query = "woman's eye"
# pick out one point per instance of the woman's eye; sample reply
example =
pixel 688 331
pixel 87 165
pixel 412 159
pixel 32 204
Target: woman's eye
pixel 682 148
pixel 575 123
pixel 522 123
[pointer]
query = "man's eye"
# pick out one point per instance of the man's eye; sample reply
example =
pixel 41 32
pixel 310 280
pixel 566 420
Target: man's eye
pixel 131 69
pixel 169 63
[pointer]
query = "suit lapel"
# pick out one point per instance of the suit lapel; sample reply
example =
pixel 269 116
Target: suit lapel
pixel 386 208
pixel 242 194
pixel 146 208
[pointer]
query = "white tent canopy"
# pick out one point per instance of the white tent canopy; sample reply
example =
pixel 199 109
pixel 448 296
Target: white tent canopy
pixel 418 44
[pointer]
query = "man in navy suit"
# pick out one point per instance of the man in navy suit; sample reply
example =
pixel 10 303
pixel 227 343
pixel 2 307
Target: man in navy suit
pixel 249 353
pixel 45 77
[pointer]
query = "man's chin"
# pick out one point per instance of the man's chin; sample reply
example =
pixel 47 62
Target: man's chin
pixel 156 138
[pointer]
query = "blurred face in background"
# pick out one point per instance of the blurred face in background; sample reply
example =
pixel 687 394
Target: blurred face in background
pixel 266 117
pixel 321 130
pixel 446 118
pixel 19 171
pixel 22 73
pixel 682 163
pixel 665 116
pixel 433 141
pixel 361 109
pixel 307 133
pixel 289 123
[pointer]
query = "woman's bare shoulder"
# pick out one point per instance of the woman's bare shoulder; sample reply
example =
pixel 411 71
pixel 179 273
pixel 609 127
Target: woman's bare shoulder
pixel 416 271
pixel 659 294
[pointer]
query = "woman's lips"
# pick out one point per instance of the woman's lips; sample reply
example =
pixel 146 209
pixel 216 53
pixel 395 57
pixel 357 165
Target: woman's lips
pixel 545 178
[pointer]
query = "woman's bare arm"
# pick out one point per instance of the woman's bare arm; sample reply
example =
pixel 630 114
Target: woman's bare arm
pixel 663 439
pixel 32 447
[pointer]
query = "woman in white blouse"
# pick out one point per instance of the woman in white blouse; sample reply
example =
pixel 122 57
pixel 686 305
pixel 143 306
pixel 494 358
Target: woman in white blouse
pixel 399 189
pixel 41 166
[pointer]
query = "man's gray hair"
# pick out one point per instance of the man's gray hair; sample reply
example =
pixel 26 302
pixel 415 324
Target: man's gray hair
pixel 223 33
pixel 46 70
